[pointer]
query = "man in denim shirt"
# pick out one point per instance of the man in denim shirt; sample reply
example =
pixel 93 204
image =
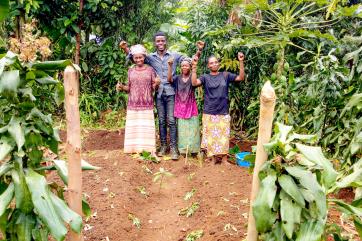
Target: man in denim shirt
pixel 165 100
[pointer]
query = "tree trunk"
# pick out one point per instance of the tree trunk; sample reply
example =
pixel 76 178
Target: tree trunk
pixel 20 21
pixel 267 104
pixel 78 37
pixel 73 146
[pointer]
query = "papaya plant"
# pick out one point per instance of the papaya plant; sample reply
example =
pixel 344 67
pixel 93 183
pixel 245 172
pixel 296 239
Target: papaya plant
pixel 30 208
pixel 292 203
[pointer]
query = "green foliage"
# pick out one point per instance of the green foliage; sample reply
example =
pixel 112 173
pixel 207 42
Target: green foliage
pixel 189 211
pixel 25 132
pixel 194 235
pixel 295 182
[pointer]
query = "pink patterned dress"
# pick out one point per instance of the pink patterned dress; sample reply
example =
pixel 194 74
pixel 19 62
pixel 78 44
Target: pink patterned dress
pixel 140 133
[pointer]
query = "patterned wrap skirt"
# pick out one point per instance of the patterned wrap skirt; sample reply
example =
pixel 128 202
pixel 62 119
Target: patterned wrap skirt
pixel 188 135
pixel 140 133
pixel 215 134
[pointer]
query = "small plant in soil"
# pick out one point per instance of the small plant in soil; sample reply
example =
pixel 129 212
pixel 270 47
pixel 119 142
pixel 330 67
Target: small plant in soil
pixel 135 221
pixel 147 156
pixel 160 176
pixel 142 190
pixel 189 211
pixel 194 235
pixel 229 226
pixel 147 170
pixel 190 194
pixel 190 176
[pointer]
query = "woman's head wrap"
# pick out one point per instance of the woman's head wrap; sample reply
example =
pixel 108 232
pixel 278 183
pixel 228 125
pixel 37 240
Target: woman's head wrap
pixel 187 60
pixel 138 49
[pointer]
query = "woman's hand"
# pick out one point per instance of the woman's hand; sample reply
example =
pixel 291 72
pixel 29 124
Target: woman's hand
pixel 195 59
pixel 119 87
pixel 241 56
pixel 200 45
pixel 123 44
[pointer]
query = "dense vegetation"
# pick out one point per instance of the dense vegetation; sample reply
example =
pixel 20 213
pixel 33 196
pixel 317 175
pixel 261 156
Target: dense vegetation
pixel 310 50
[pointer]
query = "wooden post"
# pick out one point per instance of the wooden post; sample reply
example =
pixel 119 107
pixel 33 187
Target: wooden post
pixel 73 147
pixel 267 104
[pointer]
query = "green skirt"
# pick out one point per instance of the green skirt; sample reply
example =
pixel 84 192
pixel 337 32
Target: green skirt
pixel 188 135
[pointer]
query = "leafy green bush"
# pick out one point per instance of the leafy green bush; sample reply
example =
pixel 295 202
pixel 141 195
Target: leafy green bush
pixel 292 203
pixel 30 208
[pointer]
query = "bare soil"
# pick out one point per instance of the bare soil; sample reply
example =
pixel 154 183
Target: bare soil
pixel 222 191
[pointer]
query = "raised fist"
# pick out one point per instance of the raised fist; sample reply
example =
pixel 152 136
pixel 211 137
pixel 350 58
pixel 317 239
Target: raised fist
pixel 123 44
pixel 200 45
pixel 241 56
pixel 170 61
pixel 195 59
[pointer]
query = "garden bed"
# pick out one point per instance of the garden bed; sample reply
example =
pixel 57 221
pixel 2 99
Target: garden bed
pixel 222 192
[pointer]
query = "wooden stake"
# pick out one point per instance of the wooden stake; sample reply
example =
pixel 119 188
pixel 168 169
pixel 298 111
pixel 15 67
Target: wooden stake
pixel 267 104
pixel 73 147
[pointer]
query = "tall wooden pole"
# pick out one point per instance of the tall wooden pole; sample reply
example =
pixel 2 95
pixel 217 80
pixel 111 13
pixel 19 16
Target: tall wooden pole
pixel 73 148
pixel 267 104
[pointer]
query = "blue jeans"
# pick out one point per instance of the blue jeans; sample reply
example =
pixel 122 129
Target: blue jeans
pixel 165 106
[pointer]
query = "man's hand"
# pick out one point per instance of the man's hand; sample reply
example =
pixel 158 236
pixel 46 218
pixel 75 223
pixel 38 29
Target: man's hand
pixel 241 56
pixel 123 44
pixel 170 61
pixel 200 45
pixel 156 82
pixel 119 87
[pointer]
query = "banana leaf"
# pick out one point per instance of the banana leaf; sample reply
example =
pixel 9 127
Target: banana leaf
pixel 52 65
pixel 44 206
pixel 262 206
pixel 6 197
pixel 24 226
pixel 315 154
pixel 310 231
pixel 68 215
pixel 290 213
pixel 290 187
pixel 9 81
pixel 4 9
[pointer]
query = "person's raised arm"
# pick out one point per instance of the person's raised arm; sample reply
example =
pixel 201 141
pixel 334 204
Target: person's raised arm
pixel 194 80
pixel 241 75
pixel 200 46
pixel 169 70
pixel 124 46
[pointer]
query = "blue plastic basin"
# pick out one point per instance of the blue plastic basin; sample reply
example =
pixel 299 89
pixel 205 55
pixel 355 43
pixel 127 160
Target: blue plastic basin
pixel 240 159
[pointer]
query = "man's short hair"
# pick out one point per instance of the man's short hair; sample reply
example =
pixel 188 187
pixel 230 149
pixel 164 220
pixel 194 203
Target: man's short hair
pixel 159 34
pixel 212 56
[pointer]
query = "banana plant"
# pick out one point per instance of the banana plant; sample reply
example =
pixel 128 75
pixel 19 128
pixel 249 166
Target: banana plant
pixel 292 203
pixel 30 208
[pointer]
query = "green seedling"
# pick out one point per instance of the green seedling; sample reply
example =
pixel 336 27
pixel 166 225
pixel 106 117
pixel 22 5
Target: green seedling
pixel 147 156
pixel 229 226
pixel 189 211
pixel 160 176
pixel 135 221
pixel 142 190
pixel 191 176
pixel 194 235
pixel 146 169
pixel 189 195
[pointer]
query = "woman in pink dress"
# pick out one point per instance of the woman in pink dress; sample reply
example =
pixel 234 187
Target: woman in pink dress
pixel 140 134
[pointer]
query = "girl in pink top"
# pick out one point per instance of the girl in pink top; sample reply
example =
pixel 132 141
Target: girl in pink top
pixel 185 111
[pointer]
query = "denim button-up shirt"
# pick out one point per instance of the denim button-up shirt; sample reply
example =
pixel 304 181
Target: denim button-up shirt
pixel 160 65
